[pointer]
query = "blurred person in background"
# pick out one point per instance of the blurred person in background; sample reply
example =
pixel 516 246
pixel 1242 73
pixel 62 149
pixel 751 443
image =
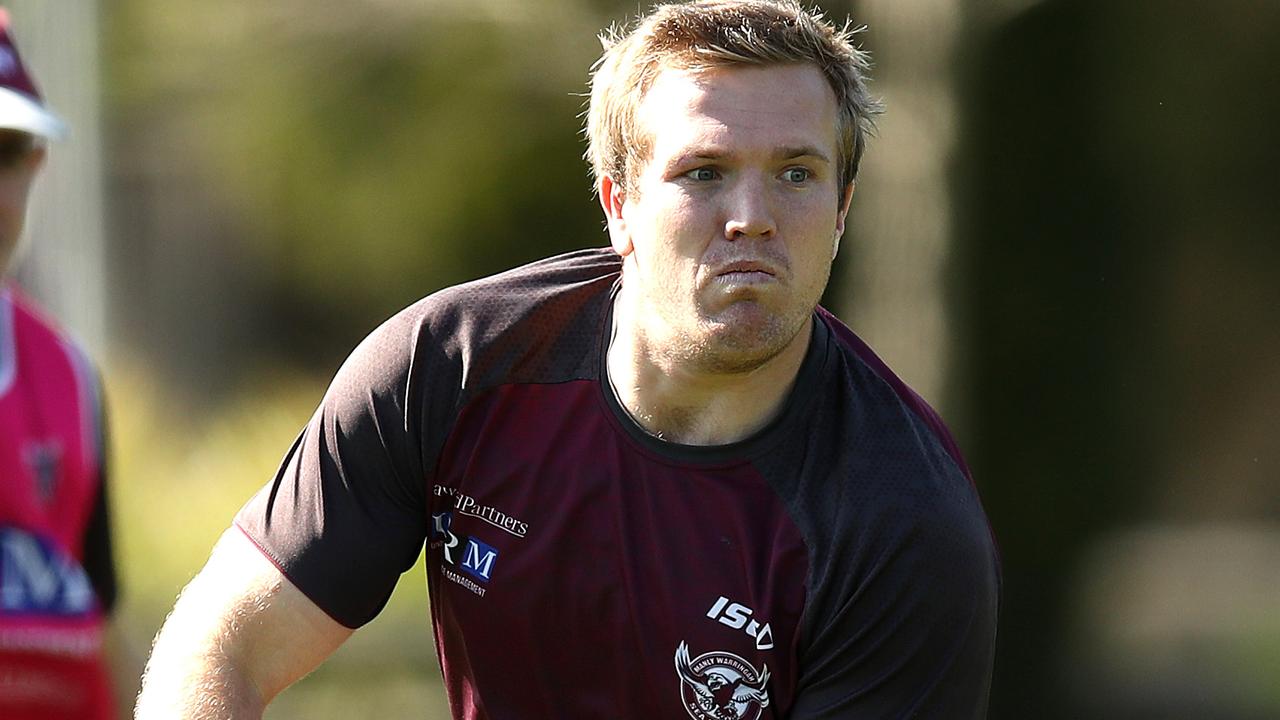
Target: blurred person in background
pixel 653 479
pixel 57 579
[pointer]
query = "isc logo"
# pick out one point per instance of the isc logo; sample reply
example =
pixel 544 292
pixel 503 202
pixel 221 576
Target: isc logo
pixel 738 617
pixel 476 558
pixel 36 578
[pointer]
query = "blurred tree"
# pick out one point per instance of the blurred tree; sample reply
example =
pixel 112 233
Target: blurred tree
pixel 326 169
pixel 1054 308
pixel 1117 222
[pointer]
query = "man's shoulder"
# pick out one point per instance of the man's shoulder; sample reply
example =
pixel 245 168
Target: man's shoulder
pixel 878 388
pixel 855 349
pixel 889 455
pixel 30 319
pixel 25 324
pixel 522 288
pixel 575 266
pixel 536 322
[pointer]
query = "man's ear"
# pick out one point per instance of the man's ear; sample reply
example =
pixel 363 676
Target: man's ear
pixel 846 199
pixel 612 199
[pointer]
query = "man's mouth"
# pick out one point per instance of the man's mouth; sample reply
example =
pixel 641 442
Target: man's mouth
pixel 746 272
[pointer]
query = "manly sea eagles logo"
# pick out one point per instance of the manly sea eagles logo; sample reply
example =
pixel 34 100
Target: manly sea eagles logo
pixel 721 686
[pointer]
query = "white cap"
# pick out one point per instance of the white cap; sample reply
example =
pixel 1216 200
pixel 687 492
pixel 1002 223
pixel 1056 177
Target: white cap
pixel 19 112
pixel 20 105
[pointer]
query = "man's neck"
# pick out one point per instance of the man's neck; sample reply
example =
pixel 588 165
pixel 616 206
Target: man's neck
pixel 684 405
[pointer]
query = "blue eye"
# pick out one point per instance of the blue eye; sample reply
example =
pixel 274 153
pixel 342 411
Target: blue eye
pixel 796 175
pixel 702 174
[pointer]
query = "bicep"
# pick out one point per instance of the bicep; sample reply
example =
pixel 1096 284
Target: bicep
pixel 238 635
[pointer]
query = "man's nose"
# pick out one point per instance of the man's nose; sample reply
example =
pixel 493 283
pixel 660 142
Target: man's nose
pixel 749 212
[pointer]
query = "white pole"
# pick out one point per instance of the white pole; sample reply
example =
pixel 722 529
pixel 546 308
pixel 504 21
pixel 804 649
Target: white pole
pixel 65 264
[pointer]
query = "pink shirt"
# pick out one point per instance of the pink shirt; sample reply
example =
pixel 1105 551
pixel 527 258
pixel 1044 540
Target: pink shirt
pixel 51 474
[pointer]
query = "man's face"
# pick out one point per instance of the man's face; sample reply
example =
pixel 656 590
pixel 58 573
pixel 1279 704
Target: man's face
pixel 20 159
pixel 729 228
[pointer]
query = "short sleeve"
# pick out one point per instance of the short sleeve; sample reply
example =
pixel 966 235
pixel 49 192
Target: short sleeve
pixel 346 512
pixel 99 559
pixel 904 580
pixel 913 637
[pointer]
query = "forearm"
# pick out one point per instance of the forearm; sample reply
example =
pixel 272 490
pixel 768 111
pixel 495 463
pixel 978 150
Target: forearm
pixel 239 634
pixel 196 689
pixel 193 673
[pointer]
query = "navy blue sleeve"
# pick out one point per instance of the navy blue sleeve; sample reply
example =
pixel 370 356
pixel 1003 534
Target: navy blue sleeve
pixel 346 513
pixel 907 625
pixel 903 584
pixel 99 558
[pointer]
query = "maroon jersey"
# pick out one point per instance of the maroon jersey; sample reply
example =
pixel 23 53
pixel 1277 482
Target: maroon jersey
pixel 835 564
pixel 56 577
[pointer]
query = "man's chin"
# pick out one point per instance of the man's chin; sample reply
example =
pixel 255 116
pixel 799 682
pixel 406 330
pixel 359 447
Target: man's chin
pixel 742 344
pixel 742 316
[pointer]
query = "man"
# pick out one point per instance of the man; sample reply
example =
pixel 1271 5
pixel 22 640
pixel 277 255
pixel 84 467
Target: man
pixel 57 581
pixel 653 480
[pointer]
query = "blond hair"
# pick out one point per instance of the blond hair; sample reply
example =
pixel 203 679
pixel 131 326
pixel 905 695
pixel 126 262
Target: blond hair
pixel 713 34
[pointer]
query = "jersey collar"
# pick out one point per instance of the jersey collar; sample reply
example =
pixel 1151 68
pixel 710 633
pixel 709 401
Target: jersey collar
pixel 791 417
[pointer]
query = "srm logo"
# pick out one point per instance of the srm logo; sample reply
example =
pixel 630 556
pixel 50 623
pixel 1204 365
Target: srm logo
pixel 36 577
pixel 476 558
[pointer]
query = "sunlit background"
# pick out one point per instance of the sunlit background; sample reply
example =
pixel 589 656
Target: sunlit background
pixel 1066 236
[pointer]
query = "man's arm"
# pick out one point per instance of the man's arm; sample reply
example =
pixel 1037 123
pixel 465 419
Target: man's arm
pixel 238 635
